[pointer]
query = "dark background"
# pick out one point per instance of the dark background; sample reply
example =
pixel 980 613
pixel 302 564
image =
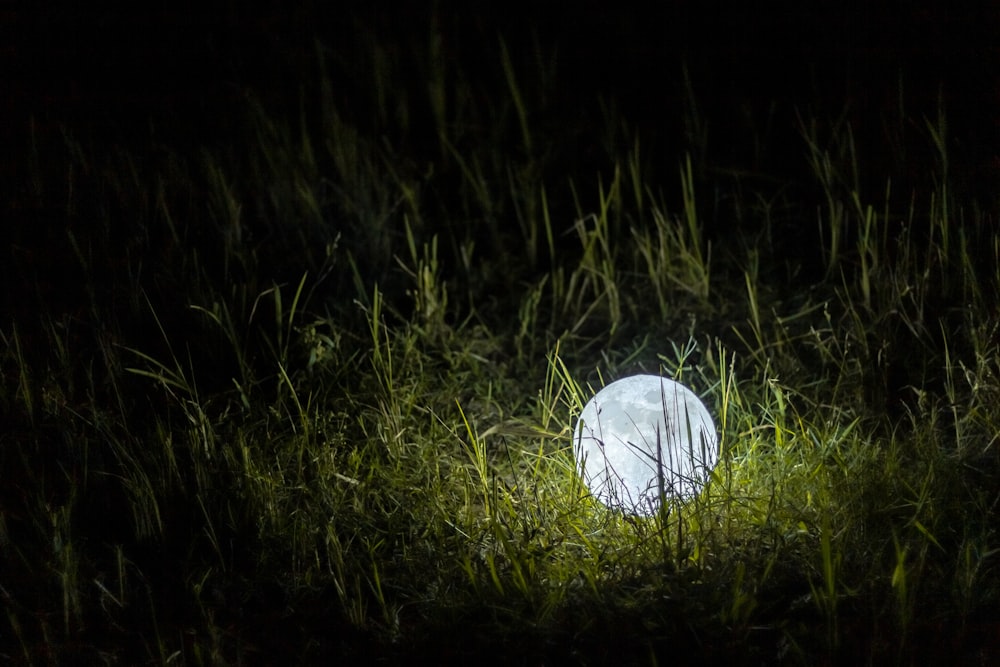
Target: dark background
pixel 97 61
pixel 179 74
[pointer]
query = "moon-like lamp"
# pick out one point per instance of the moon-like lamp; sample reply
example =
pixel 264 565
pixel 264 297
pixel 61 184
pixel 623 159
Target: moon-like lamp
pixel 642 440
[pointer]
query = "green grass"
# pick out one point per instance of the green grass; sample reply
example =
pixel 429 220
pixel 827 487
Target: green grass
pixel 311 396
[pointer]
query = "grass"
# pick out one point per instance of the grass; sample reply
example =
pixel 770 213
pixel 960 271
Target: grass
pixel 310 395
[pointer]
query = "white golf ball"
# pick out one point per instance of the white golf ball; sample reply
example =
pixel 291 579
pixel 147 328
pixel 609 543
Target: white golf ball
pixel 643 439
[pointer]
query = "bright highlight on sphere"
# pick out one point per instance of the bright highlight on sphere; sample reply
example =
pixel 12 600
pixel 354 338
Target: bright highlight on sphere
pixel 642 439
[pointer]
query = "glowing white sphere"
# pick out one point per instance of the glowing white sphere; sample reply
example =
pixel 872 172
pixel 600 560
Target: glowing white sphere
pixel 642 439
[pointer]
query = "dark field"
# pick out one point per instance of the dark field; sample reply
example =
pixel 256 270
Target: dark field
pixel 300 307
